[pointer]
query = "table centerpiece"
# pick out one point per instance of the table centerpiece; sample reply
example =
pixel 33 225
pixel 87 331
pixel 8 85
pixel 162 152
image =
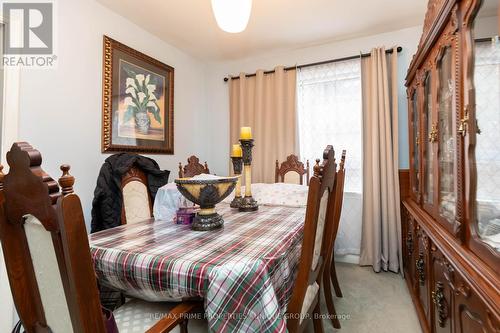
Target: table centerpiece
pixel 206 191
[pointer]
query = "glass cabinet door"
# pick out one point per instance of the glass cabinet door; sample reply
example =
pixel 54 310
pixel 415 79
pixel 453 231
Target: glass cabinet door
pixel 446 138
pixel 480 127
pixel 429 138
pixel 487 152
pixel 415 156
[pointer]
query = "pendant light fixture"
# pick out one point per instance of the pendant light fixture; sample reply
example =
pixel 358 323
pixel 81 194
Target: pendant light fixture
pixel 232 15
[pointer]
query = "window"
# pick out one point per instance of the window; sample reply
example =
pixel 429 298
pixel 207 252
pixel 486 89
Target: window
pixel 329 112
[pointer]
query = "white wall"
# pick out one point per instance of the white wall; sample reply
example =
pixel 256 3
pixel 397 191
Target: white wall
pixel 218 90
pixel 486 27
pixel 60 111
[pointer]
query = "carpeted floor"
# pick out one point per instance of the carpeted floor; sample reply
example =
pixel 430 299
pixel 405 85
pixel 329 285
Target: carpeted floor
pixel 372 303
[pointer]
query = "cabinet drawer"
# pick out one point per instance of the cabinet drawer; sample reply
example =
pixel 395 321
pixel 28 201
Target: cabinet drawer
pixel 441 292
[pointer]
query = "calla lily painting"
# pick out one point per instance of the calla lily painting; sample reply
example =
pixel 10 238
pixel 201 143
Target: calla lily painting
pixel 138 102
pixel 139 113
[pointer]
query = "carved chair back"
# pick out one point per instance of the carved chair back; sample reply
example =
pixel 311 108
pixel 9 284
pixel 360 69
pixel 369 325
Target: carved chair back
pixel 338 200
pixel 137 205
pixel 192 168
pixel 339 193
pixel 329 273
pixel 318 223
pixel 46 248
pixel 291 171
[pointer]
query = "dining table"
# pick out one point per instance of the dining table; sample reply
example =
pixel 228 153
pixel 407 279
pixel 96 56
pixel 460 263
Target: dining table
pixel 244 272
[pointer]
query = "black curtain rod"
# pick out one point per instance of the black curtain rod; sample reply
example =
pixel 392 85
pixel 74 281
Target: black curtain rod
pixel 487 39
pixel 363 55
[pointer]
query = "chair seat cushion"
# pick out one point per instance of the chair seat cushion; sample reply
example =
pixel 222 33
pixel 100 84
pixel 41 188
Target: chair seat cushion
pixel 311 293
pixel 138 316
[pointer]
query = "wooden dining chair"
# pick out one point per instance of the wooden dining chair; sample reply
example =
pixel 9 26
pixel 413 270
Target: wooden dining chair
pixel 137 204
pixel 291 171
pixel 192 168
pixel 47 256
pixel 330 273
pixel 305 297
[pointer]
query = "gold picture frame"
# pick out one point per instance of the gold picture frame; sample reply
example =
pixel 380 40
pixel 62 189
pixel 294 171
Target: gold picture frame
pixel 137 103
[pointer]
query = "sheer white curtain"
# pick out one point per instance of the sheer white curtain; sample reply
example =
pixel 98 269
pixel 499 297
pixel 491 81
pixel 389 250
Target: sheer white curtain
pixel 329 112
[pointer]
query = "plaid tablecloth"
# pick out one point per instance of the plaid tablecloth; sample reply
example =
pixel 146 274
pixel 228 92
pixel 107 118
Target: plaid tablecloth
pixel 245 271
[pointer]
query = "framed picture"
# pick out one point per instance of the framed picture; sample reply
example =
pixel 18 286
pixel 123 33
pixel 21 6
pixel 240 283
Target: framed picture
pixel 138 101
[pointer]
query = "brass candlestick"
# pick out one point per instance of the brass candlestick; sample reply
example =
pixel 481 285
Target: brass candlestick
pixel 248 203
pixel 237 167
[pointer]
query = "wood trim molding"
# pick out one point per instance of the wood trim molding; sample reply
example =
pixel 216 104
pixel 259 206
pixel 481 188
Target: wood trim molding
pixel 404 183
pixel 438 12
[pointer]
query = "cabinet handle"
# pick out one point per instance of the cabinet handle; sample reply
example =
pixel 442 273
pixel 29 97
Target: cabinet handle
pixel 433 135
pixel 420 265
pixel 409 243
pixel 440 302
pixel 464 122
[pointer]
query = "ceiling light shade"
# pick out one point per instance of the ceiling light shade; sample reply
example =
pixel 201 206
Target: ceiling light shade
pixel 232 15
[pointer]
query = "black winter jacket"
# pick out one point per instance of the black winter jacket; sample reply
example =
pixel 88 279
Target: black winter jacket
pixel 107 203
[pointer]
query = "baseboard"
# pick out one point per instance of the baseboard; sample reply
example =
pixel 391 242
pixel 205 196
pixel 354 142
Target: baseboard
pixel 348 258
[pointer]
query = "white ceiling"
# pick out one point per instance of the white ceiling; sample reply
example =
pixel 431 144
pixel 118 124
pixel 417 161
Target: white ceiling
pixel 274 24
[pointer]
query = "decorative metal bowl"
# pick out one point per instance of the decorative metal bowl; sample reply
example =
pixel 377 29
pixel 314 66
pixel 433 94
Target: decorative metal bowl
pixel 206 193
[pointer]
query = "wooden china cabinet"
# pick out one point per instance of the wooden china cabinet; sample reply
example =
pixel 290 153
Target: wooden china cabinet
pixel 451 215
